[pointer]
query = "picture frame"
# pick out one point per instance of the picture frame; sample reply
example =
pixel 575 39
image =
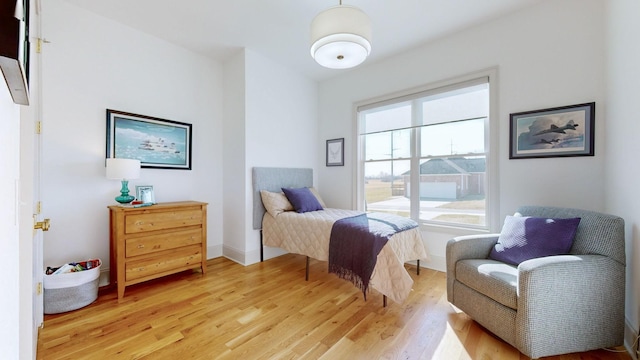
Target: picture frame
pixel 554 132
pixel 335 152
pixel 145 194
pixel 157 143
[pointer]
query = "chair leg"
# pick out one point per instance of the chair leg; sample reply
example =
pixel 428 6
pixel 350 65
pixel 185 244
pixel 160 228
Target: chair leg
pixel 418 269
pixel 306 274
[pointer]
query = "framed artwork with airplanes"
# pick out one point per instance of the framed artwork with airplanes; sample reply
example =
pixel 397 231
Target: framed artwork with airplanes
pixel 554 132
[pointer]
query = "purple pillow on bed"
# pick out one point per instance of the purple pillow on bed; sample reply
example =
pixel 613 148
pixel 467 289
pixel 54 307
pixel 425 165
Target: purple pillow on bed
pixel 302 199
pixel 523 238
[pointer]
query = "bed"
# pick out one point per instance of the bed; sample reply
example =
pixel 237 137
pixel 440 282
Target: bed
pixel 309 233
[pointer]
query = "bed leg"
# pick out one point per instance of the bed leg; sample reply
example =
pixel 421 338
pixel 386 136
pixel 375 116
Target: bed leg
pixel 418 269
pixel 384 300
pixel 261 248
pixel 306 272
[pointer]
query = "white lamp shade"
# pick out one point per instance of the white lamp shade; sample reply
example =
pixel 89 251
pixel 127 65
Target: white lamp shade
pixel 19 12
pixel 123 169
pixel 341 37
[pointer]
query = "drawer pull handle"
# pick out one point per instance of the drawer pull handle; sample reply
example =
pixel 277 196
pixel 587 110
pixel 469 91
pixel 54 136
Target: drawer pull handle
pixel 140 246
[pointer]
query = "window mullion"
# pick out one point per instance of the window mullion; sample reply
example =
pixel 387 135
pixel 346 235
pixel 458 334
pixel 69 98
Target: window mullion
pixel 416 115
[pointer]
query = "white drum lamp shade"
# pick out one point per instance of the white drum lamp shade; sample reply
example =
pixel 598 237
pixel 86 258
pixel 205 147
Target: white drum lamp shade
pixel 123 170
pixel 341 37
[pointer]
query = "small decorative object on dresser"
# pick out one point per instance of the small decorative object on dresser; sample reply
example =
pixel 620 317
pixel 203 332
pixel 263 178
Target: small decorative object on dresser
pixel 145 195
pixel 153 241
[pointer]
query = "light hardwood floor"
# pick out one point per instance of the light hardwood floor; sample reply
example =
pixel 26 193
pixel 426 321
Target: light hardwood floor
pixel 268 311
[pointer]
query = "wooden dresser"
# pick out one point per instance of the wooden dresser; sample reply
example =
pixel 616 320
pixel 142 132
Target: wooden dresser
pixel 153 241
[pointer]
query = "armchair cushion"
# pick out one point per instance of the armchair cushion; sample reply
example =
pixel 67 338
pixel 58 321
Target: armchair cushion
pixel 523 238
pixel 497 280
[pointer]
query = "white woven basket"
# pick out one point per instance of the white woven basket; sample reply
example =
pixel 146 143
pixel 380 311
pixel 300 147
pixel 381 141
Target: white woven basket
pixel 71 291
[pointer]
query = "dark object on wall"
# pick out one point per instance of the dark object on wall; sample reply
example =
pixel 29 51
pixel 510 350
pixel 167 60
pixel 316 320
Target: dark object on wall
pixel 335 152
pixel 156 142
pixel 555 132
pixel 14 48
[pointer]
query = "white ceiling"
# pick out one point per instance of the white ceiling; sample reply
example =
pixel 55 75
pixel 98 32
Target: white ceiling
pixel 279 29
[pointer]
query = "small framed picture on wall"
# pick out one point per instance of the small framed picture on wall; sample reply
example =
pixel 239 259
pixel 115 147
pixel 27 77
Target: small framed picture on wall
pixel 335 152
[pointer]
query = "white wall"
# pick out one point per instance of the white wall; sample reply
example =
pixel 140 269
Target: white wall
pixel 92 64
pixel 234 141
pixel 548 55
pixel 276 126
pixel 622 120
pixel 10 265
pixel 282 128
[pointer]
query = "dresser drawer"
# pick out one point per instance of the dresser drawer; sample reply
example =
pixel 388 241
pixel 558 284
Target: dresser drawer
pixel 154 243
pixel 143 222
pixel 184 257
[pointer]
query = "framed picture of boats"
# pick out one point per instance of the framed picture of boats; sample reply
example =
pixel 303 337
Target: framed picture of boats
pixel 157 143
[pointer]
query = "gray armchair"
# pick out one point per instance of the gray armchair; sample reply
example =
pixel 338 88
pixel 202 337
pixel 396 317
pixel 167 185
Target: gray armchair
pixel 550 305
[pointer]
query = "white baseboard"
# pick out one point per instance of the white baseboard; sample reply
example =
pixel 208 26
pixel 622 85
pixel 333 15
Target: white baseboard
pixel 272 252
pixel 630 335
pixel 214 251
pixel 251 257
pixel 104 277
pixel 233 254
pixel 435 262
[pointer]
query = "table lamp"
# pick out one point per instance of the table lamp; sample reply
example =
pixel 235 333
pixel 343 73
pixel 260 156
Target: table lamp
pixel 124 170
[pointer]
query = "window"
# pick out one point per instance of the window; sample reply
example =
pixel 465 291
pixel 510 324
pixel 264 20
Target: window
pixel 424 155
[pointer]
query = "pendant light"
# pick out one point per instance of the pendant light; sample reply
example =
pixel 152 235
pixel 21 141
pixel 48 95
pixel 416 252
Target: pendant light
pixel 340 37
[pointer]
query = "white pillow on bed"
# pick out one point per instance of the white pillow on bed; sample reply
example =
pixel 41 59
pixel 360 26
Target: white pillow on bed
pixel 317 195
pixel 275 202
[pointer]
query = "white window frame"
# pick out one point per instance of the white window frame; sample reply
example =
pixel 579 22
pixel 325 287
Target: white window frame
pixel 491 146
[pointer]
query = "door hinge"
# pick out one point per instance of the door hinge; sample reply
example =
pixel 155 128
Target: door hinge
pixel 39 288
pixel 39 42
pixel 39 127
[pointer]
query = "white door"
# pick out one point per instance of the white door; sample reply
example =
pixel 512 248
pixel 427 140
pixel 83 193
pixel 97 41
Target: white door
pixel 31 239
pixel 43 225
pixel 31 163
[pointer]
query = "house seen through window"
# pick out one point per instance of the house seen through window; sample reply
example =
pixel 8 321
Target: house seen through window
pixel 425 156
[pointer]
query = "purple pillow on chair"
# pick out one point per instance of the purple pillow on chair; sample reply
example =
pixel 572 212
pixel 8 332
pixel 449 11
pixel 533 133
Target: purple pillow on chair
pixel 302 199
pixel 523 238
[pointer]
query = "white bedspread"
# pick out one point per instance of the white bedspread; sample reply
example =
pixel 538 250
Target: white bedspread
pixel 309 233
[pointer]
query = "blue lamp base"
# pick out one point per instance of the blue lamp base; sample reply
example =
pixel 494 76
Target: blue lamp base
pixel 124 197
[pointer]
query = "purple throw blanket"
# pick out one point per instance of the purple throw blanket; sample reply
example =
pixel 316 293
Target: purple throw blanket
pixel 356 241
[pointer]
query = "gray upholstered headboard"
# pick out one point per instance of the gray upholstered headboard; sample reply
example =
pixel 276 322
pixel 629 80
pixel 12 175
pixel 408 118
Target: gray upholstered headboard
pixel 273 179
